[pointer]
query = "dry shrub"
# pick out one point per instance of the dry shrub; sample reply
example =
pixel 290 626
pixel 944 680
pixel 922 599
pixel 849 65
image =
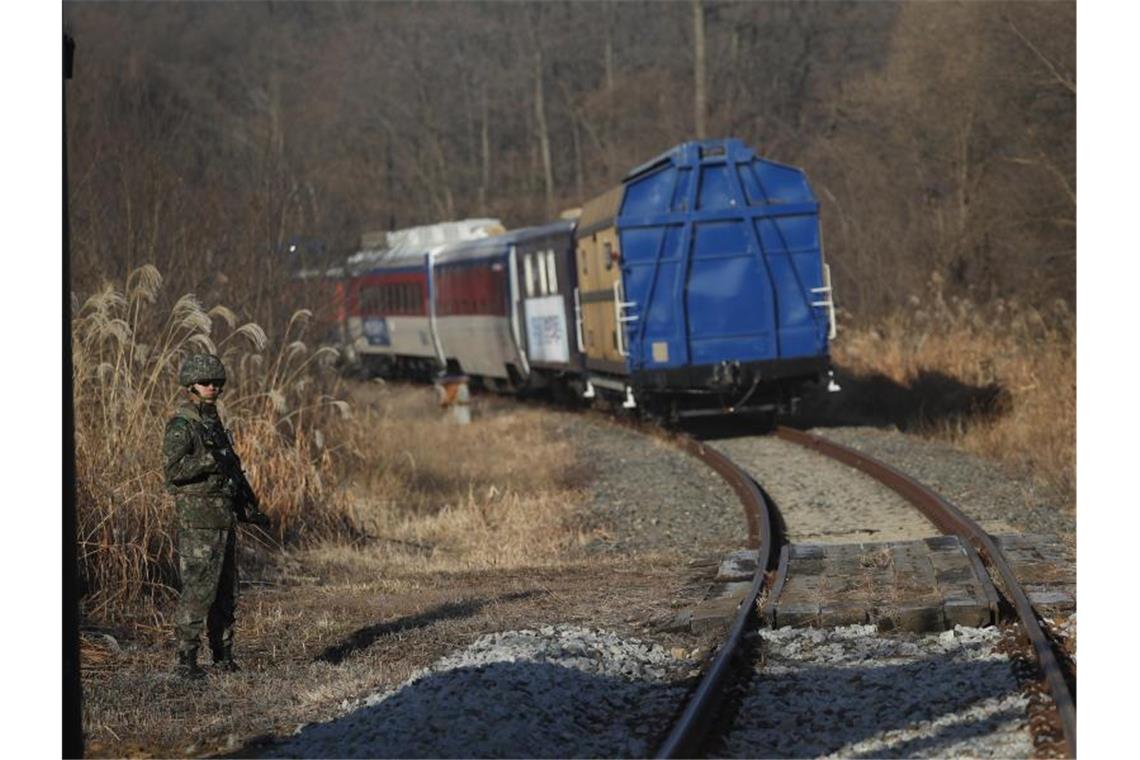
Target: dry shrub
pixel 127 352
pixel 1028 351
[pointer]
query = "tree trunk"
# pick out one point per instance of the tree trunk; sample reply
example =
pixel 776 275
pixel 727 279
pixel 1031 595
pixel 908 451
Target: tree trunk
pixel 485 175
pixel 699 96
pixel 543 135
pixel 608 24
pixel 578 179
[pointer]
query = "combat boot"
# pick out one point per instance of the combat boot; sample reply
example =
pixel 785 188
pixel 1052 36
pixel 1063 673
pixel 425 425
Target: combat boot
pixel 224 660
pixel 186 666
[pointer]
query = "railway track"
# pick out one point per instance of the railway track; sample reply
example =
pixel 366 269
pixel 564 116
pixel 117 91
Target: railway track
pixel 559 689
pixel 690 736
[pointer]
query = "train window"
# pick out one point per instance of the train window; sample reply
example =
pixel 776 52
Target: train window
pixel 370 302
pixel 551 273
pixel 528 275
pixel 541 274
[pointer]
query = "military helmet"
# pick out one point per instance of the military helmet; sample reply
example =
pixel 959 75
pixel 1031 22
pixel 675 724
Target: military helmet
pixel 200 367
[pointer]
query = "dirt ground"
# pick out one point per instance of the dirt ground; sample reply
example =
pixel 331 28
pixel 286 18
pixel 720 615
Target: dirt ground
pixel 320 631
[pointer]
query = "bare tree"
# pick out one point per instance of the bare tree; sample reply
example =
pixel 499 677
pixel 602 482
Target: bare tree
pixel 940 137
pixel 700 107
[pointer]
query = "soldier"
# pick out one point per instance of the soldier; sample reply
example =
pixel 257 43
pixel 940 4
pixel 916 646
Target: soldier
pixel 210 493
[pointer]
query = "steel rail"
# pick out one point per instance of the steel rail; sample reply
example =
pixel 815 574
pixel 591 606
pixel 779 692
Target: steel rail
pixel 685 738
pixel 951 520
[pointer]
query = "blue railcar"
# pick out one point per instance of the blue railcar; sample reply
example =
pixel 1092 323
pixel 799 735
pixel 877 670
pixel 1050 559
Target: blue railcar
pixel 721 301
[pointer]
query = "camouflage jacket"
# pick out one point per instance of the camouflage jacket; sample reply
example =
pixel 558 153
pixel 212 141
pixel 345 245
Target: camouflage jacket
pixel 197 450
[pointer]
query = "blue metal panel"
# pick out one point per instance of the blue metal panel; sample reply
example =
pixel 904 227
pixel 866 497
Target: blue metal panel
pixel 653 276
pixel 651 194
pixel 720 253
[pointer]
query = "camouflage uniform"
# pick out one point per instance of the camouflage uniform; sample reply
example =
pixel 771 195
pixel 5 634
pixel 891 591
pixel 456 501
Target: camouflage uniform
pixel 205 500
pixel 202 472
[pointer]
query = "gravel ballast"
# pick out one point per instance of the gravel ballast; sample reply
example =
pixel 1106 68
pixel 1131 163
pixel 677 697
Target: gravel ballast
pixel 648 495
pixel 559 691
pixel 999 499
pixel 563 691
pixel 824 501
pixel 851 692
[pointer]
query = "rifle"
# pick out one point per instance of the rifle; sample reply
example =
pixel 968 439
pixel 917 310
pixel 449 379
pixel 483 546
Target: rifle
pixel 248 507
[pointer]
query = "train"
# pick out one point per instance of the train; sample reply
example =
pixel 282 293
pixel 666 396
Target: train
pixel 696 286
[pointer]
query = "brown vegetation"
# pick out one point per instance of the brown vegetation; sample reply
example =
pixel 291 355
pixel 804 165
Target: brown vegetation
pixel 497 494
pixel 998 379
pixel 394 472
pixel 126 358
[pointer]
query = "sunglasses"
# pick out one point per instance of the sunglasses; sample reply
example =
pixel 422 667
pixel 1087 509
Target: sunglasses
pixel 214 383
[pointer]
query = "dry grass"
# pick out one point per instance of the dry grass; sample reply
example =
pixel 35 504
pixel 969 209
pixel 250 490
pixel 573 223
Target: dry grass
pixel 437 496
pixel 127 351
pixel 1011 365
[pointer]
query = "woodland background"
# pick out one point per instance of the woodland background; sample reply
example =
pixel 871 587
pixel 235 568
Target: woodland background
pixel 940 137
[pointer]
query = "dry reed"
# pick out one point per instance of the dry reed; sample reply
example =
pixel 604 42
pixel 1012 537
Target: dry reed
pixel 127 352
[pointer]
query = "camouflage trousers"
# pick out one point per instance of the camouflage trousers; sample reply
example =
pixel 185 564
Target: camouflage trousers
pixel 207 562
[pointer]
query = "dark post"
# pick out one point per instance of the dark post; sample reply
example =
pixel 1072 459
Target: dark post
pixel 72 688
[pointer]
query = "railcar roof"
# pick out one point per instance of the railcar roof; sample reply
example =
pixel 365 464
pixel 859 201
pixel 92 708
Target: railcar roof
pixel 499 244
pixel 688 153
pixel 407 247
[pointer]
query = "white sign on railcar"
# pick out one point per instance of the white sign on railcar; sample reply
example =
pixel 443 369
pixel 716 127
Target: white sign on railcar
pixel 376 331
pixel 547 340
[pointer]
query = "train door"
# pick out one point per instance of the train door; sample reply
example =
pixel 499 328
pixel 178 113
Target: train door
pixel 545 304
pixel 600 296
